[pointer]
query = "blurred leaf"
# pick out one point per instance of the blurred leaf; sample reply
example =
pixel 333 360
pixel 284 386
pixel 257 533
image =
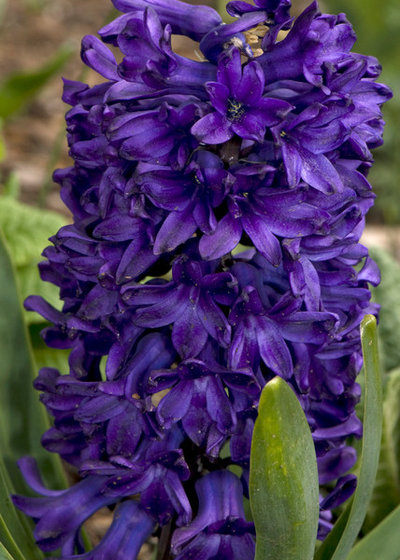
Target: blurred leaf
pixel 7 540
pixel 386 494
pixel 338 543
pixel 4 554
pixel 387 294
pixel 3 4
pixel 11 187
pixel 27 230
pixel 15 531
pixel 283 477
pixel 19 88
pixel 383 543
pixel 2 141
pixel 22 418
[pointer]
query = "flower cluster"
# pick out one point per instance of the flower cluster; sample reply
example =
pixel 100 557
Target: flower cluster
pixel 218 206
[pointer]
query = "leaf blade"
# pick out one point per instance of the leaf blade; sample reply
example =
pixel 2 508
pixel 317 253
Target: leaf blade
pixel 19 88
pixel 23 418
pixel 383 542
pixel 283 477
pixel 338 544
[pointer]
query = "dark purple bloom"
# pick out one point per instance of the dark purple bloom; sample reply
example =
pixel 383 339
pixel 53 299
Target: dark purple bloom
pixel 220 529
pixel 240 107
pixel 189 302
pixel 189 197
pixel 255 207
pixel 160 136
pixel 130 529
pixel 217 211
pixel 194 385
pixel 60 514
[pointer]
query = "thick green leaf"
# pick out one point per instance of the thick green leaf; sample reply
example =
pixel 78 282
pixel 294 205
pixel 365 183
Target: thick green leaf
pixel 340 540
pixel 22 418
pixel 383 543
pixel 27 231
pixel 386 494
pixel 283 477
pixel 18 89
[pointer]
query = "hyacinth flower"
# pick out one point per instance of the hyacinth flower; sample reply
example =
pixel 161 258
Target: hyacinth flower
pixel 218 207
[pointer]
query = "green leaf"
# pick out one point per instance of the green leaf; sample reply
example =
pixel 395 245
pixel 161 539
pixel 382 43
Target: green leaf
pixel 386 494
pixel 7 540
pixel 340 540
pixel 18 89
pixel 3 4
pixel 15 527
pixel 4 554
pixel 2 142
pixel 11 186
pixel 283 477
pixel 22 418
pixel 383 543
pixel 27 230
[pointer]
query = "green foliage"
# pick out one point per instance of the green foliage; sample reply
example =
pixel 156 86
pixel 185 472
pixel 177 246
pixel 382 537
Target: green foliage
pixel 27 230
pixel 20 88
pixel 283 477
pixel 2 142
pixel 338 544
pixel 387 294
pixel 22 418
pixel 386 494
pixel 383 543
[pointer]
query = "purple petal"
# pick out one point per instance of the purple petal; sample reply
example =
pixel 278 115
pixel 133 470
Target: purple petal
pixel 219 407
pixel 293 163
pixel 177 228
pixel 162 313
pixel 96 55
pixel 318 171
pixel 219 96
pixel 214 320
pixel 214 128
pixel 174 406
pixel 251 86
pixel 130 528
pixel 268 245
pixel 273 350
pixel 226 236
pixel 188 334
pixel 249 127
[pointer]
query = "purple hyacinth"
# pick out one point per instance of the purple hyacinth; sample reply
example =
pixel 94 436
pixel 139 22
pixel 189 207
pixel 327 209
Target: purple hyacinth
pixel 218 207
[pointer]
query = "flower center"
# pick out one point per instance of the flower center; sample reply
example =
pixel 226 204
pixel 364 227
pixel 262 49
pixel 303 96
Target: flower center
pixel 235 109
